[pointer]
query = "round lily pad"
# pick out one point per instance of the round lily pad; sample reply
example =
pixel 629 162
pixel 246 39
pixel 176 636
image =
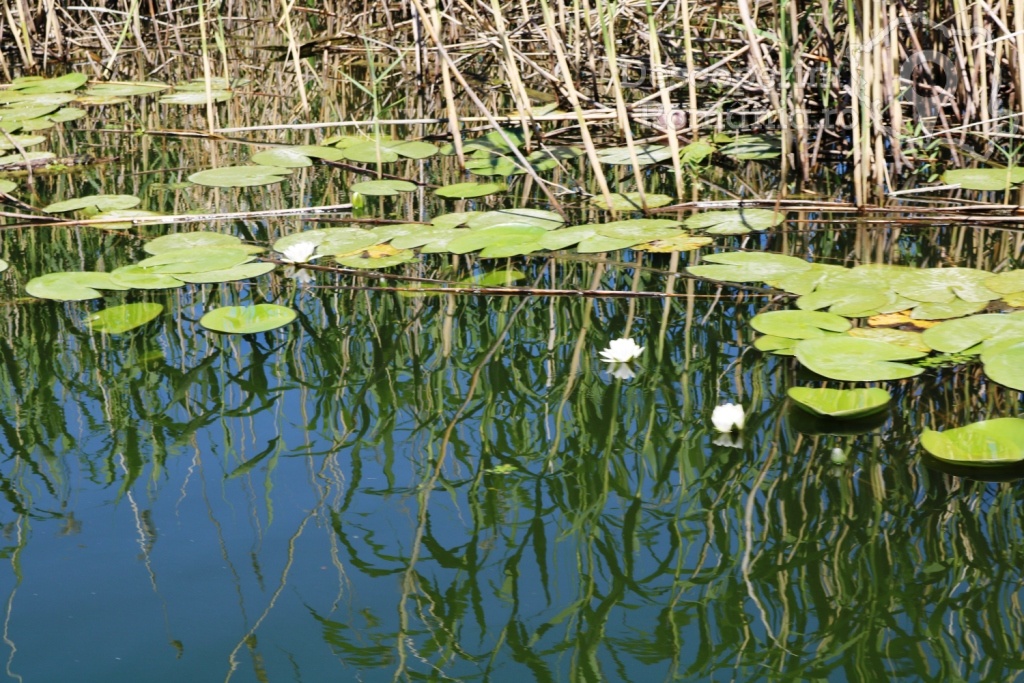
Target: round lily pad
pixel 646 154
pixel 630 201
pixel 1004 362
pixel 842 404
pixel 468 190
pixel 137 277
pixel 990 442
pixel 71 286
pixel 281 157
pixel 190 240
pixel 121 319
pixel 195 98
pixel 174 261
pixel 538 218
pixel 987 179
pixel 752 266
pixel 247 319
pixel 243 271
pixel 7 186
pixel 734 222
pixel 240 176
pixel 100 202
pixel 383 188
pixel 799 324
pixel 857 360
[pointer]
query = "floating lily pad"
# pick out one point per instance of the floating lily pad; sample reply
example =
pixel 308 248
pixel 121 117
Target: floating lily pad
pixel 247 319
pixel 799 324
pixel 848 302
pixel 492 142
pixel 64 83
pixel 184 261
pixel 780 346
pixel 957 308
pixel 494 166
pixel 750 147
pixel 121 319
pixel 375 260
pixel 320 152
pixel 17 160
pixel 941 285
pixel 566 237
pixel 425 234
pixel 468 190
pixel 281 157
pixel 989 442
pixel 550 158
pixel 841 404
pixel 755 266
pixel 683 242
pixel 736 222
pixel 346 240
pixel 912 340
pixel 630 201
pixel 129 218
pixel 100 202
pixel 240 176
pixel 454 219
pixel 16 141
pixel 386 151
pixel 7 186
pixel 955 336
pixel 497 238
pixel 190 240
pixel 806 281
pixel 509 218
pixel 383 188
pixel 1009 282
pixel 195 98
pixel 696 152
pixel 857 360
pixel 646 154
pixel 71 286
pixel 987 179
pixel 1004 362
pixel 137 277
pixel 125 89
pixel 243 271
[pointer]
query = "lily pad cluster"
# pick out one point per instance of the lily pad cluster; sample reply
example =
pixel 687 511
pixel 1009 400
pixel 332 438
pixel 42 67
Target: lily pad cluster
pixel 177 259
pixel 826 342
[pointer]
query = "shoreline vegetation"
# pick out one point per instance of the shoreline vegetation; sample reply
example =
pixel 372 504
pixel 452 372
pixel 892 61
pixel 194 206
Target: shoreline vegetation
pixel 873 91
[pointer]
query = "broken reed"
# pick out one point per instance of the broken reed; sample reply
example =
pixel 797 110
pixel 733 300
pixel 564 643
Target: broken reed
pixel 866 83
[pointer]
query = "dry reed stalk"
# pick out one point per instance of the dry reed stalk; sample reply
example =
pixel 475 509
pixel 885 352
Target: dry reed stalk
pixel 658 71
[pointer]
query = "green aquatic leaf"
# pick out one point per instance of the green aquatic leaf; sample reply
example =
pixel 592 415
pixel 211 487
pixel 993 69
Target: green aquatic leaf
pixel 495 278
pixel 492 142
pixel 240 176
pixel 514 218
pixel 344 241
pixel 7 186
pixel 957 308
pixel 468 190
pixel 987 179
pixel 125 89
pixel 630 201
pixel 190 240
pixel 494 166
pixel 780 346
pixel 424 235
pixel 383 188
pixel 16 141
pixel 71 286
pixel 247 319
pixel 912 340
pixel 320 152
pixel 1004 362
pixel 244 271
pixel 646 153
pixel 454 219
pixel 65 83
pixel 682 242
pixel 841 404
pixel 500 237
pixel 17 160
pixel 379 262
pixel 751 147
pixel 387 151
pixel 121 319
pixel 1008 282
pixel 195 98
pixel 734 222
pixel 99 202
pixel 849 302
pixel 849 359
pixel 281 157
pixel 941 285
pixel 184 261
pixel 806 281
pixel 960 334
pixel 564 238
pixel 129 218
pixel 550 158
pixel 799 324
pixel 137 277
pixel 990 442
pixel 696 152
pixel 752 266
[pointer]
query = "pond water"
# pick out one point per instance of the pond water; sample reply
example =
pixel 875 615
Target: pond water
pixel 408 485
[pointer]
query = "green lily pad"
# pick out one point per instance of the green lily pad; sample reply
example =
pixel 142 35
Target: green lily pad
pixel 857 360
pixel 1004 362
pixel 957 308
pixel 848 302
pixel 911 340
pixel 121 319
pixel 100 202
pixel 494 166
pixel 454 219
pixel 383 188
pixel 497 237
pixel 281 157
pixel 696 152
pixel 65 83
pixel 735 222
pixel 941 285
pixel 1008 282
pixel 424 235
pixel 841 404
pixel 239 272
pixel 492 142
pixel 195 98
pixel 344 241
pixel 137 277
pixel 468 190
pixel 989 442
pixel 780 346
pixel 17 159
pixel 681 242
pixel 554 240
pixel 646 154
pixel 7 186
pixel 515 218
pixel 550 158
pixel 125 89
pixel 987 179
pixel 128 218
pixel 240 176
pixel 960 334
pixel 806 281
pixel 377 263
pixel 247 319
pixel 751 147
pixel 190 240
pixel 630 201
pixel 387 151
pixel 753 266
pixel 320 152
pixel 799 324
pixel 15 141
pixel 71 286
pixel 601 243
pixel 184 261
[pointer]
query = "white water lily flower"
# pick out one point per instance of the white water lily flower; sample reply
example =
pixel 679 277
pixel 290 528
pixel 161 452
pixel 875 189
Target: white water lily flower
pixel 621 351
pixel 298 252
pixel 728 417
